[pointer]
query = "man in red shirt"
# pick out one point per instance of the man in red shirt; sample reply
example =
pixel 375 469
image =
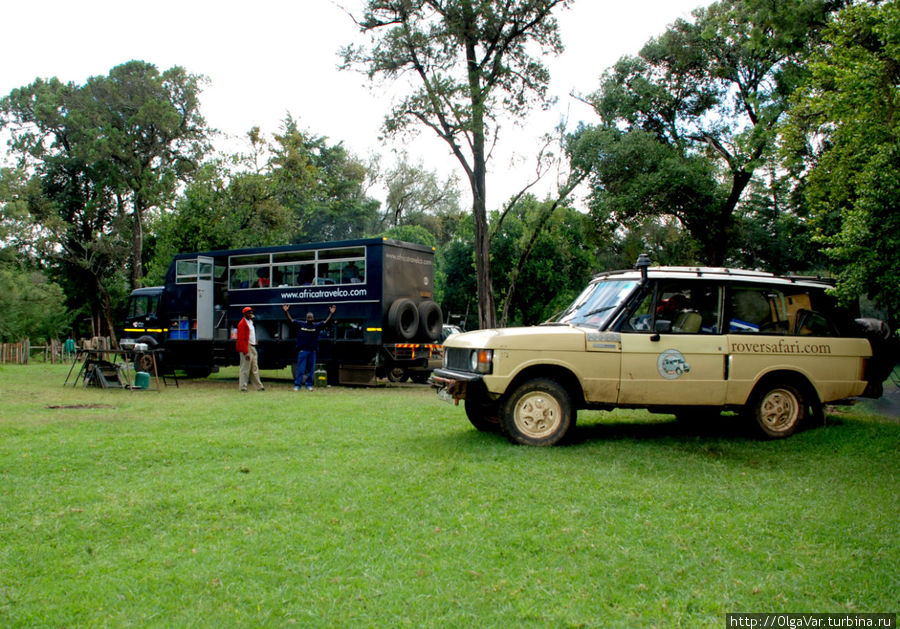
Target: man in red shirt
pixel 246 347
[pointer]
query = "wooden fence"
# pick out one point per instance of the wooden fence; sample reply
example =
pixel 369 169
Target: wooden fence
pixel 23 352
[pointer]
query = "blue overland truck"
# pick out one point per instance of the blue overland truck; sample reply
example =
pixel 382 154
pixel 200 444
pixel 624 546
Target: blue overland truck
pixel 387 323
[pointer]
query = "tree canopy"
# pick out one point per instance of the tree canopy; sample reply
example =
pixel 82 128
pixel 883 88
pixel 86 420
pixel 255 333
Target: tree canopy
pixel 844 139
pixel 105 153
pixel 687 122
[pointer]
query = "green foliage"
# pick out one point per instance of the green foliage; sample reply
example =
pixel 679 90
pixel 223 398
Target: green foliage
pixel 773 231
pixel 415 196
pixel 558 266
pixel 455 279
pixel 296 188
pixel 383 507
pixel 686 123
pixel 322 185
pixel 473 62
pixel 411 233
pixel 31 306
pixel 105 154
pixel 846 128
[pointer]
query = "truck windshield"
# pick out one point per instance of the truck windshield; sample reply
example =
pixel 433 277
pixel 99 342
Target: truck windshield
pixel 598 302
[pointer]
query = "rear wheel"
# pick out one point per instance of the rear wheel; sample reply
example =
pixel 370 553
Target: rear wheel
pixel 537 413
pixel 397 374
pixel 778 410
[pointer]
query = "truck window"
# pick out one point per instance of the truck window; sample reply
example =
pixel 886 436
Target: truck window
pixel 141 306
pixel 342 266
pixel 241 278
pixel 186 272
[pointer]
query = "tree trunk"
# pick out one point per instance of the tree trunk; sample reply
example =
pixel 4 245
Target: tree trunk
pixel 137 246
pixel 106 305
pixel 725 224
pixel 487 308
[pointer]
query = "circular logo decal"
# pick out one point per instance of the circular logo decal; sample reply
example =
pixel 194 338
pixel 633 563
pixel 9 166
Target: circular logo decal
pixel 671 364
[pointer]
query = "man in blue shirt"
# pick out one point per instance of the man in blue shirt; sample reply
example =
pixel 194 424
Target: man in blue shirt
pixel 307 345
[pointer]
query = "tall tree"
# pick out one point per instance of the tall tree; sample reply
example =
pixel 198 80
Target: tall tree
pixel 416 196
pixel 130 136
pixel 844 137
pixel 687 122
pixel 473 60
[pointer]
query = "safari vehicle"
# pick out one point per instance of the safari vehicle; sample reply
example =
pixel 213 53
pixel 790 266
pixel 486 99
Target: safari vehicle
pixel 680 340
pixel 387 321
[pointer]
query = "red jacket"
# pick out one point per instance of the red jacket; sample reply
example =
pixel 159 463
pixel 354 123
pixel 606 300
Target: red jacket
pixel 243 337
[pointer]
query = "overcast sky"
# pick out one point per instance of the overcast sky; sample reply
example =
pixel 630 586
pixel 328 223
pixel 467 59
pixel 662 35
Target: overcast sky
pixel 267 58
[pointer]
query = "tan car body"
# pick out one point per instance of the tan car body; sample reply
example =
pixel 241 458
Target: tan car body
pixel 535 378
pixel 619 369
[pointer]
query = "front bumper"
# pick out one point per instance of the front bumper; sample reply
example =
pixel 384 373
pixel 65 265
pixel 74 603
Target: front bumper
pixel 453 386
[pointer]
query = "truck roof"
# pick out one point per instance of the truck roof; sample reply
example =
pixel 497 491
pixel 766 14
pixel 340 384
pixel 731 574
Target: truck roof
pixel 307 245
pixel 148 290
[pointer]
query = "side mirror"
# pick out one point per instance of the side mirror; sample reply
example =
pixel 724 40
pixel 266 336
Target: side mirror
pixel 663 326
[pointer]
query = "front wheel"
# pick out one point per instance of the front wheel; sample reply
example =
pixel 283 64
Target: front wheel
pixel 537 413
pixel 778 410
pixel 484 416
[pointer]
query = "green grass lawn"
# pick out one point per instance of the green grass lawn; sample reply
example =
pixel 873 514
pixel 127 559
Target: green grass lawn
pixel 202 506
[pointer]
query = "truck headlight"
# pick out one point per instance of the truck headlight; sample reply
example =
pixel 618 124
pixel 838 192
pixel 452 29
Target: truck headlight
pixel 481 360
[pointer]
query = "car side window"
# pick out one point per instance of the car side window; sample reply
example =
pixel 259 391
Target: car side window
pixel 760 309
pixel 677 307
pixel 689 307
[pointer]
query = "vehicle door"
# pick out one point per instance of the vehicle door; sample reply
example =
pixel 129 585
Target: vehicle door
pixel 204 298
pixel 673 348
pixel 789 328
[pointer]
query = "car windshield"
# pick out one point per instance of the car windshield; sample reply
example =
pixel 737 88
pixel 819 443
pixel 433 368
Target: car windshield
pixel 598 302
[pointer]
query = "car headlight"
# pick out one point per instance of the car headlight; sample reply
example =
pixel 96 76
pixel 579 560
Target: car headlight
pixel 481 360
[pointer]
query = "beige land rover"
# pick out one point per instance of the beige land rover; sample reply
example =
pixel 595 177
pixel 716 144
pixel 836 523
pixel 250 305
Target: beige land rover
pixel 679 340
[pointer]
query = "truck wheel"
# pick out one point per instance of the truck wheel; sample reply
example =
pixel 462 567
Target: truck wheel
pixel 403 318
pixel 778 410
pixel 431 320
pixel 485 417
pixel 397 374
pixel 144 362
pixel 537 413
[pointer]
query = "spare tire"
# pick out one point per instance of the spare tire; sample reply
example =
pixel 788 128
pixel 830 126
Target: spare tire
pixel 885 350
pixel 403 319
pixel 431 320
